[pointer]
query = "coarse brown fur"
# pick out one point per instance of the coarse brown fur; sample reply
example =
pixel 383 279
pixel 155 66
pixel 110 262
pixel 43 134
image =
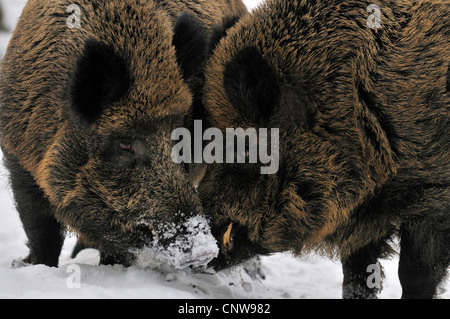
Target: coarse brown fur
pixel 87 114
pixel 364 136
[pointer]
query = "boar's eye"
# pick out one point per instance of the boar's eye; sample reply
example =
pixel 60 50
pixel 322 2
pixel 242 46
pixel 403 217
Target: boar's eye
pixel 120 151
pixel 126 147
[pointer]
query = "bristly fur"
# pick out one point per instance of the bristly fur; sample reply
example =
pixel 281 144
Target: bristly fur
pixel 251 85
pixel 364 146
pixel 220 31
pixel 448 79
pixel 190 41
pixel 113 180
pixel 101 77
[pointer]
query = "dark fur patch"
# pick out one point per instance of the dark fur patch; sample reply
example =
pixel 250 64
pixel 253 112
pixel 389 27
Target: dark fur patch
pixel 102 76
pixel 251 85
pixel 220 31
pixel 190 42
pixel 296 107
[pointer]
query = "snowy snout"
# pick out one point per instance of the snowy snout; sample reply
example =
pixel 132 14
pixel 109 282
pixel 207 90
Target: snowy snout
pixel 189 243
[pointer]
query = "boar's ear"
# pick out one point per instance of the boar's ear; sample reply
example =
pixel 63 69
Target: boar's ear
pixel 101 76
pixel 256 91
pixel 220 31
pixel 252 85
pixel 190 43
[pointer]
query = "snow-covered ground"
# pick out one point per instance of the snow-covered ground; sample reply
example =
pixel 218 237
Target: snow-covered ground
pixel 286 277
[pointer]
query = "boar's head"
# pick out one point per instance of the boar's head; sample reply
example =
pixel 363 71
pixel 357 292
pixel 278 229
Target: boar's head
pixel 109 170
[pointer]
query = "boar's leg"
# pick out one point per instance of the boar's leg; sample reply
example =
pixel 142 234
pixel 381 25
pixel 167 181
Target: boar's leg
pixel 45 235
pixel 424 255
pixel 115 259
pixel 77 249
pixel 358 283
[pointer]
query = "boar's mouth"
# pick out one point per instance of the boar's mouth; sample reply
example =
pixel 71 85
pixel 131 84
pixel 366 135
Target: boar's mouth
pixel 146 229
pixel 235 247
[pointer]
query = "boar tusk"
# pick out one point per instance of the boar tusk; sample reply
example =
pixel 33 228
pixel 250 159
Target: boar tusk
pixel 227 239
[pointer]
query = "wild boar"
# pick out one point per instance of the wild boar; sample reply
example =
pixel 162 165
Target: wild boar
pixel 360 95
pixel 89 95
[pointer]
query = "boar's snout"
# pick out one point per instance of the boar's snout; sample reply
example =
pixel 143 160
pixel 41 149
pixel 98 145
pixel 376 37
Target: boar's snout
pixel 235 246
pixel 187 242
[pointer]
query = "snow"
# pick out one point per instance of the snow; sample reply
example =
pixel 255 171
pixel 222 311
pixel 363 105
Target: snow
pixel 196 248
pixel 286 277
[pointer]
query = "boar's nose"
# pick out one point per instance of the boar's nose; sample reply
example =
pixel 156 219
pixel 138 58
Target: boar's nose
pixel 187 243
